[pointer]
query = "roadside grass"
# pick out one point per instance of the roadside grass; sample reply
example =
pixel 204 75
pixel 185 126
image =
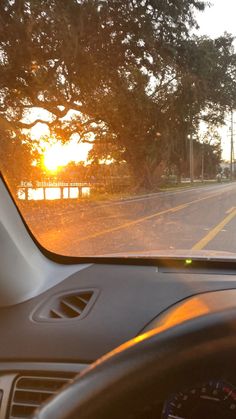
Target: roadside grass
pixel 196 184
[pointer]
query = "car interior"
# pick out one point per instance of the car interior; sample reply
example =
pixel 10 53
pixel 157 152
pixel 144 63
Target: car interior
pixel 134 337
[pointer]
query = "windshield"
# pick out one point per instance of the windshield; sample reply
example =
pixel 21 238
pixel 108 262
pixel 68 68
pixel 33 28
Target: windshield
pixel 117 124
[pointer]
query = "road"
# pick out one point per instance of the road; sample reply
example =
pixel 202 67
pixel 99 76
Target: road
pixel 197 218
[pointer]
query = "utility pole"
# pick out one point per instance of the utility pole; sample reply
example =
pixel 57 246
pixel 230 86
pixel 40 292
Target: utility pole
pixel 203 162
pixel 232 146
pixel 191 158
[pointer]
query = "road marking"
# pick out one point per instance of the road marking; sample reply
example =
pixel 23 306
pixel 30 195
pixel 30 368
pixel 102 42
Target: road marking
pixel 230 210
pixel 180 207
pixel 131 223
pixel 216 230
pixel 146 218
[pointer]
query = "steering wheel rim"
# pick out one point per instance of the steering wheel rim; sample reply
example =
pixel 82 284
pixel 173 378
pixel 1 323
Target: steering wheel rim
pixel 151 365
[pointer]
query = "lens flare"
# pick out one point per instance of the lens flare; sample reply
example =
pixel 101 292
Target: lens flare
pixel 58 155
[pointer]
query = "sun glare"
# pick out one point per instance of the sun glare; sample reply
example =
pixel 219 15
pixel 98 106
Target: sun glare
pixel 54 157
pixel 57 155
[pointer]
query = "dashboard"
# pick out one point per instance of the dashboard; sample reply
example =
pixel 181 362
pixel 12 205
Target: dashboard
pixel 215 399
pixel 49 339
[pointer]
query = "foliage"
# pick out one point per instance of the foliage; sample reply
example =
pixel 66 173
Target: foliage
pixel 16 157
pixel 128 71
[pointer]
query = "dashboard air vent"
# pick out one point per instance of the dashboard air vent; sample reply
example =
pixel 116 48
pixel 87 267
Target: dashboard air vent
pixel 68 306
pixel 30 392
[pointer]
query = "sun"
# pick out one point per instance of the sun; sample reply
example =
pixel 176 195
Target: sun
pixel 50 163
pixel 57 155
pixel 54 157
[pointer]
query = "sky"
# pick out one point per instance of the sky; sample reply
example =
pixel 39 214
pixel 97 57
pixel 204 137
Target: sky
pixel 214 21
pixel 218 18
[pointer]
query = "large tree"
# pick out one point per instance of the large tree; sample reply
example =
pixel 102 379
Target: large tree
pixel 93 57
pixel 126 70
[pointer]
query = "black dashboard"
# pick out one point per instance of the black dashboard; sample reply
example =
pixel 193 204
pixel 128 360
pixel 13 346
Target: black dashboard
pixel 127 299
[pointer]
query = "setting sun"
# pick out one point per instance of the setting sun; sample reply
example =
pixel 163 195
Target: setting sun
pixel 57 155
pixel 54 157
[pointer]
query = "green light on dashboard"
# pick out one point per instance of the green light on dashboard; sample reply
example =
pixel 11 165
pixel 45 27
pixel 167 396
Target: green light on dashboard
pixel 188 261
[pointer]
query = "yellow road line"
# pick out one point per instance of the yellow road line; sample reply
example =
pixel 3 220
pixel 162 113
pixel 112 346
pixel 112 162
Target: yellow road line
pixel 213 233
pixel 180 207
pixel 131 223
pixel 147 218
pixel 230 210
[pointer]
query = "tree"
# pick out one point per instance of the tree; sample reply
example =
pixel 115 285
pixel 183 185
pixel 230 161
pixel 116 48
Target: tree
pixel 16 158
pixel 127 71
pixel 206 91
pixel 95 58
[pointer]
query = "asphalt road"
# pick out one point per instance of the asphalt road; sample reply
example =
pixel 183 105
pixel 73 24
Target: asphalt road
pixel 197 218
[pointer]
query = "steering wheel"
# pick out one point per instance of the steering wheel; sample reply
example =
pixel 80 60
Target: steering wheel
pixel 148 368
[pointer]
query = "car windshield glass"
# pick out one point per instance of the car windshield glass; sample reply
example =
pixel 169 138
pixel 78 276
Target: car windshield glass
pixel 117 124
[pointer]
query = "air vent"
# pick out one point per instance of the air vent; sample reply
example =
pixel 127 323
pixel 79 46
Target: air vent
pixel 30 392
pixel 68 306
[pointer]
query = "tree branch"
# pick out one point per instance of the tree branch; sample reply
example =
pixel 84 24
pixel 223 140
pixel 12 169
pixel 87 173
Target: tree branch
pixel 25 125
